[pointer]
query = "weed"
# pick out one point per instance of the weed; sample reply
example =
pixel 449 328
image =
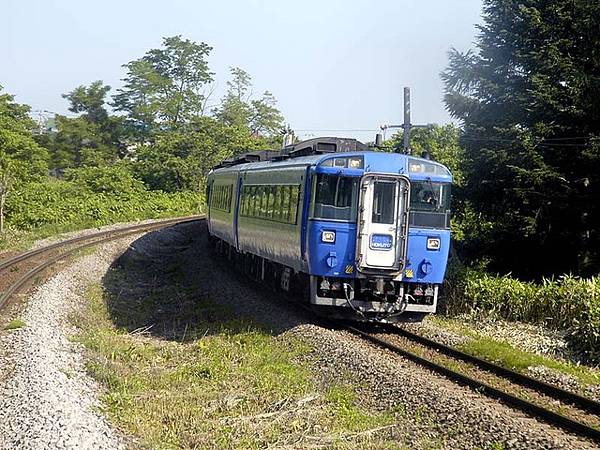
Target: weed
pixel 14 324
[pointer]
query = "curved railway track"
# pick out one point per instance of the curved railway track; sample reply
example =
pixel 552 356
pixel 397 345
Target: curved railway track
pixel 40 259
pixel 590 407
pixel 552 400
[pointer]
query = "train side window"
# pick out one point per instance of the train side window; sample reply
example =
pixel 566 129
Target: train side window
pixel 250 201
pixel 256 212
pixel 244 201
pixel 293 204
pixel 285 203
pixel 228 197
pixel 277 204
pixel 270 201
pixel 264 197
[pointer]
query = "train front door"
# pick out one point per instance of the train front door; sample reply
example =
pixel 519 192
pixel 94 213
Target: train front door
pixel 382 222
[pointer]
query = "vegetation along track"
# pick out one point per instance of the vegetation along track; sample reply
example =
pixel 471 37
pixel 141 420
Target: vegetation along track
pixel 561 408
pixel 42 258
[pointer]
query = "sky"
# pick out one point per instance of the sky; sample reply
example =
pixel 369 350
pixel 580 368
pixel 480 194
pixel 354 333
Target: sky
pixel 337 68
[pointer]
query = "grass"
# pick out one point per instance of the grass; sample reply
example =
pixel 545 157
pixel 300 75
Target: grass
pixel 225 384
pixel 14 324
pixel 509 356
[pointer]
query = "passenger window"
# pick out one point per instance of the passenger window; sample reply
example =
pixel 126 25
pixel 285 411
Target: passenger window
pixel 277 207
pixel 271 202
pixel 285 206
pixel 264 196
pixel 251 200
pixel 384 204
pixel 293 204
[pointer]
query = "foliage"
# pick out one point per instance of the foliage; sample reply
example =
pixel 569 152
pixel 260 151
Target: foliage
pixel 56 202
pixel 181 160
pixel 15 324
pixel 116 180
pixel 529 101
pixel 442 144
pixel 21 158
pixel 16 141
pixel 167 86
pixel 239 109
pixel 89 100
pixel 568 302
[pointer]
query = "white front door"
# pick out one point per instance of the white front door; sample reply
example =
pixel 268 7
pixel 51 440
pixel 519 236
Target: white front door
pixel 382 222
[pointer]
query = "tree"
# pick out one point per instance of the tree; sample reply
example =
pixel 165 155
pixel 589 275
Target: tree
pixel 239 109
pixel 167 86
pixel 89 100
pixel 181 160
pixel 95 138
pixel 529 101
pixel 21 158
pixel 442 144
pixel 6 183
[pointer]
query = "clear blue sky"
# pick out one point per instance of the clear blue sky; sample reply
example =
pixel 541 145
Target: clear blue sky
pixel 332 64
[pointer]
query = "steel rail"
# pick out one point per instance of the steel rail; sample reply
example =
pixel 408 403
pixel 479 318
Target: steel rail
pixel 105 236
pixel 517 402
pixel 6 263
pixel 526 406
pixel 560 394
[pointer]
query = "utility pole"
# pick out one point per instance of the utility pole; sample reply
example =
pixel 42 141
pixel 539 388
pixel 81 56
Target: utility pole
pixel 406 126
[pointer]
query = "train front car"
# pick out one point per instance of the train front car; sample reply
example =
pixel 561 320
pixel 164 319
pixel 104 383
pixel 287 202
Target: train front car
pixel 378 234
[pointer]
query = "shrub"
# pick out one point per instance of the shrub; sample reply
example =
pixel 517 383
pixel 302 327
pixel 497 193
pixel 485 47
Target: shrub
pixel 57 202
pixel 568 303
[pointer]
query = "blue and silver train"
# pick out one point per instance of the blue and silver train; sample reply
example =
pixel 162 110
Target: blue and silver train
pixel 361 234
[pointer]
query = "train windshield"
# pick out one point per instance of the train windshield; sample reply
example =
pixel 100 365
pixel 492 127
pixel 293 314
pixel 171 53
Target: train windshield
pixel 429 196
pixel 336 198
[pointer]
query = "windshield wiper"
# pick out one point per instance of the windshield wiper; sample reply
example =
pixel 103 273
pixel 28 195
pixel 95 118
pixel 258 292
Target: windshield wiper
pixel 435 198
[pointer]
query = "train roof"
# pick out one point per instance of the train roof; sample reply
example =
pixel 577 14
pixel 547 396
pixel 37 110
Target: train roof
pixel 315 152
pixel 379 162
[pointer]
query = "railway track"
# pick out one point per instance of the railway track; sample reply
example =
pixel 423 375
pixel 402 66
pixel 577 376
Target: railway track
pixel 589 409
pixel 38 260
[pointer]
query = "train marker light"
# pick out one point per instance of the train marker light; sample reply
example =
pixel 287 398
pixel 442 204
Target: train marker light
pixel 433 243
pixel 328 236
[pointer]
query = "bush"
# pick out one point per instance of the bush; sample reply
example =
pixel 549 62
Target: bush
pixel 567 303
pixel 115 180
pixel 58 202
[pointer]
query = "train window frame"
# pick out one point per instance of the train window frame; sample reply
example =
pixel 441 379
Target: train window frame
pixel 221 196
pixel 272 202
pixel 354 198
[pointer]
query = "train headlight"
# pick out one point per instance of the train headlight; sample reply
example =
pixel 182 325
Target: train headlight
pixel 328 236
pixel 433 243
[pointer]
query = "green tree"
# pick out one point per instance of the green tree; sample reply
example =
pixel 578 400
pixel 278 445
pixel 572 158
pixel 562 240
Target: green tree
pixel 89 100
pixel 167 86
pixel 95 138
pixel 181 160
pixel 21 158
pixel 239 109
pixel 529 101
pixel 442 142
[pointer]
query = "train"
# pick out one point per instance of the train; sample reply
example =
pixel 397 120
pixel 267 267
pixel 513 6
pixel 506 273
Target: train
pixel 358 234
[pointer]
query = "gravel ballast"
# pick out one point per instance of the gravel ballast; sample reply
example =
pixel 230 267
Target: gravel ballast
pixel 47 401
